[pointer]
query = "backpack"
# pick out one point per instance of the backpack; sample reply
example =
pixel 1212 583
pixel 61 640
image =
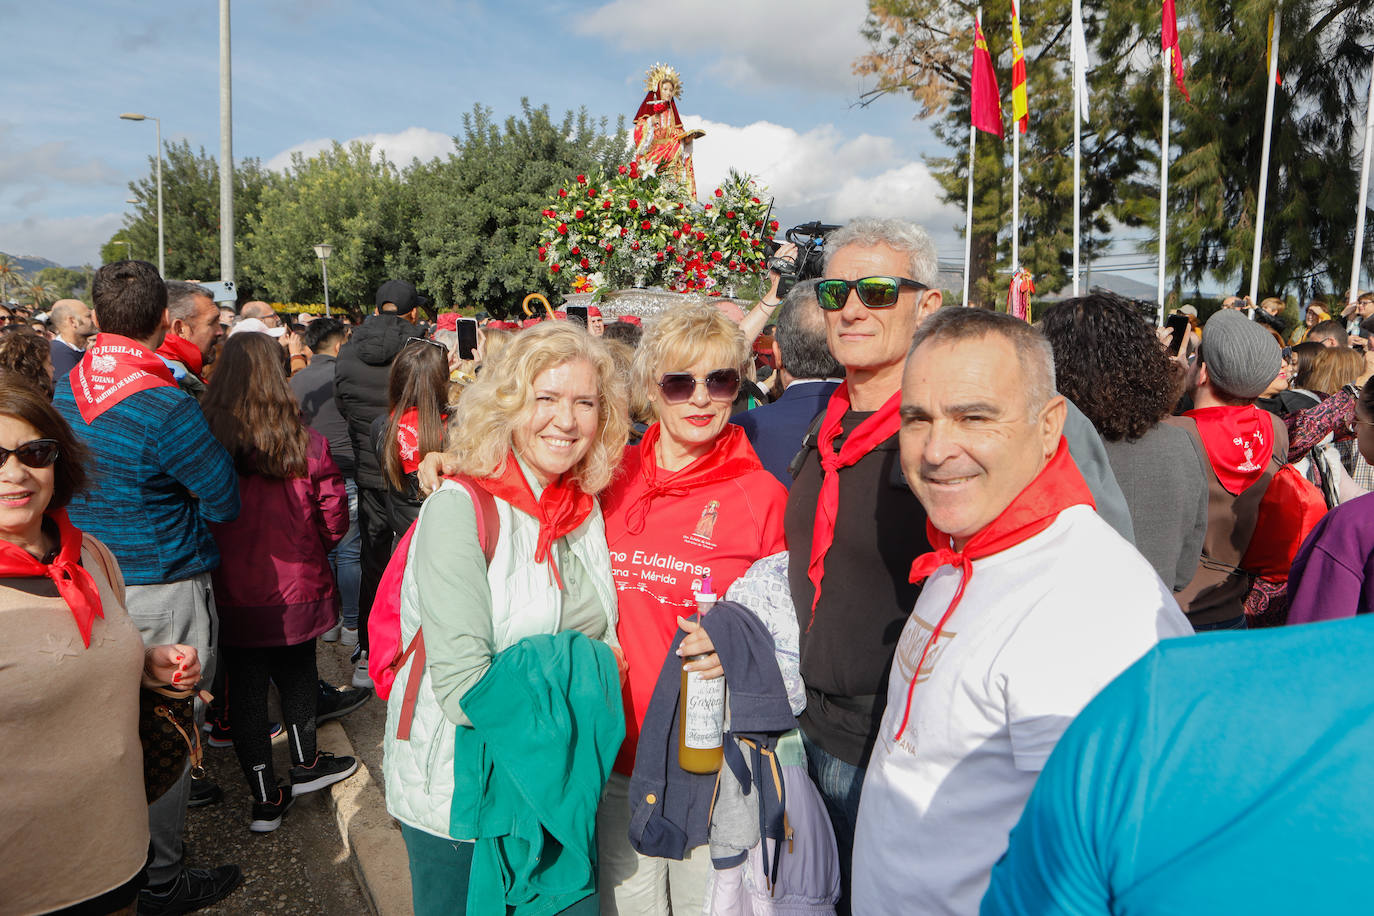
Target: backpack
pixel 385 654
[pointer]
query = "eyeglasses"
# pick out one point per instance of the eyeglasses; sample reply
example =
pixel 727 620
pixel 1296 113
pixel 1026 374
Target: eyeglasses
pixel 874 292
pixel 40 453
pixel 721 385
pixel 426 340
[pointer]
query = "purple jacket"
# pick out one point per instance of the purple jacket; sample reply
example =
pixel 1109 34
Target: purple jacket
pixel 274 586
pixel 1333 572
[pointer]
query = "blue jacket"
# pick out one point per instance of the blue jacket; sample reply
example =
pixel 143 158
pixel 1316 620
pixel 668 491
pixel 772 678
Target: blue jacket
pixel 670 809
pixel 157 477
pixel 776 430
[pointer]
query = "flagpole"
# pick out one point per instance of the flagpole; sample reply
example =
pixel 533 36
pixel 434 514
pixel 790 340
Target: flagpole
pixel 1077 155
pixel 1015 174
pixel 1164 184
pixel 968 223
pixel 1356 258
pixel 1264 158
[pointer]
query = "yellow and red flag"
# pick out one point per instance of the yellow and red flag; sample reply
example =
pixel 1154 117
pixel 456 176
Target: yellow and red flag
pixel 1020 108
pixel 1169 42
pixel 986 107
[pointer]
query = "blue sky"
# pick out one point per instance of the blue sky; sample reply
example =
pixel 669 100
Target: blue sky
pixel 771 84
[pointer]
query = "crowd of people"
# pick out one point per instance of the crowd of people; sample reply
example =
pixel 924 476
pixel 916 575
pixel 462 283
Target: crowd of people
pixel 950 565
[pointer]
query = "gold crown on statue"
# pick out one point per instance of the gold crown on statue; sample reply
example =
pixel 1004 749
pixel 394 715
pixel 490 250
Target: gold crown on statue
pixel 660 72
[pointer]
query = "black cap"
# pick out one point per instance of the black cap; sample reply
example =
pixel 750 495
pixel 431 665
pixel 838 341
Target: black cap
pixel 400 292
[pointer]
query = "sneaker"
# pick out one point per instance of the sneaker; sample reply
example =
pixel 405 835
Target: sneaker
pixel 204 793
pixel 334 701
pixel 332 634
pixel 325 771
pixel 267 815
pixel 220 736
pixel 348 636
pixel 191 890
pixel 360 676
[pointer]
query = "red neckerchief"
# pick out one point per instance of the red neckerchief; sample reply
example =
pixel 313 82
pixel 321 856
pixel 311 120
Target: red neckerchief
pixel 560 509
pixel 183 351
pixel 865 437
pixel 1238 440
pixel 113 368
pixel 1058 486
pixel 731 456
pixel 76 586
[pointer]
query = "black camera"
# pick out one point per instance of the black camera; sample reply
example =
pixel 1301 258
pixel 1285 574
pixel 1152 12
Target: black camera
pixel 807 264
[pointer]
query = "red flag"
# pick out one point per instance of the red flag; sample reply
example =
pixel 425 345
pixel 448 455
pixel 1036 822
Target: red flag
pixel 1169 36
pixel 986 109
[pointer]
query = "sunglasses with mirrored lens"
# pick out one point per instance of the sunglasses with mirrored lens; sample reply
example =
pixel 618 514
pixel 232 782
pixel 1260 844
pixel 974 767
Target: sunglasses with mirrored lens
pixel 721 385
pixel 874 292
pixel 39 453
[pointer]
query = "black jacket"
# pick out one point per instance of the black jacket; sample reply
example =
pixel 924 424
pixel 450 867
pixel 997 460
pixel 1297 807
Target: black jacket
pixel 360 385
pixel 314 390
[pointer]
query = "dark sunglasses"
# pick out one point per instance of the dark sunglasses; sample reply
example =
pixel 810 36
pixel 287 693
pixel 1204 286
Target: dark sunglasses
pixel 874 292
pixel 721 385
pixel 40 453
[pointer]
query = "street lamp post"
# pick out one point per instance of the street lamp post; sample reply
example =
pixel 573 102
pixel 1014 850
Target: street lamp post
pixel 161 256
pixel 323 251
pixel 128 249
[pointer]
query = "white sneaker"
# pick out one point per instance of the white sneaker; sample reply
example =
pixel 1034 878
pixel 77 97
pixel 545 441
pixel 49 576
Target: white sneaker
pixel 360 676
pixel 348 636
pixel 332 634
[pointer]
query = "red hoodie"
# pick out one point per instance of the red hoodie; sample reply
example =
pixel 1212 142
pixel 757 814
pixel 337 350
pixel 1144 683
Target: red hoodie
pixel 714 517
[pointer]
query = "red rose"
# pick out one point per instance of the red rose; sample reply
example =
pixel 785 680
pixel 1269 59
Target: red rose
pixel 623 231
pixel 581 179
pixel 773 224
pixel 701 236
pixel 585 263
pixel 758 224
pixel 542 249
pixel 591 195
pixel 605 205
pixel 754 199
pixel 719 192
pixel 743 234
pixel 646 225
pixel 677 233
pixel 652 209
pixel 578 213
pixel 670 249
pixel 554 267
pixel 708 206
pixel 634 204
pixel 634 246
pixel 658 256
pixel 623 170
pixel 679 259
pixel 541 254
pixel 679 206
pixel 576 250
pixel 755 243
pixel 562 228
pixel 562 192
pixel 609 248
pixel 729 214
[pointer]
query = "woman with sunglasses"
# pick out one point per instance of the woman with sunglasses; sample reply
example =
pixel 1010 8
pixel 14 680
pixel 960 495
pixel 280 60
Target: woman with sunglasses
pixel 413 426
pixel 691 500
pixel 74 813
pixel 274 588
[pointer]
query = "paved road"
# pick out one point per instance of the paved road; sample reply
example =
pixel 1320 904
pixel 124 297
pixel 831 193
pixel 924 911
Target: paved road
pixel 302 868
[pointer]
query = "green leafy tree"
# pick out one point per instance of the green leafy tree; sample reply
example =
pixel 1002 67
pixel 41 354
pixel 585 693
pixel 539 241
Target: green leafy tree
pixel 190 205
pixel 344 196
pixel 480 209
pixel 923 48
pixel 66 283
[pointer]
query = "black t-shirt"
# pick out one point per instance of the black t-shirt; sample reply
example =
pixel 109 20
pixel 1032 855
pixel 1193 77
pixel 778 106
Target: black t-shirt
pixel 865 596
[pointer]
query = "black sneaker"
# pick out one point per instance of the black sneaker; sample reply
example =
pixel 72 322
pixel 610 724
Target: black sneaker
pixel 193 889
pixel 334 701
pixel 267 815
pixel 325 771
pixel 204 792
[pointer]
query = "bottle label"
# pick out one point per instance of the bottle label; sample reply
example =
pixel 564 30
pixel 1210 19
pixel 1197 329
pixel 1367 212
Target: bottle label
pixel 704 712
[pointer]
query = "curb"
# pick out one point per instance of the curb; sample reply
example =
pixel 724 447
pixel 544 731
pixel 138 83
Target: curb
pixel 371 836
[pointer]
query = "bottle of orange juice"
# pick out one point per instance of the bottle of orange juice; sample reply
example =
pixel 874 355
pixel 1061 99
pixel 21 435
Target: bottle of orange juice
pixel 702 728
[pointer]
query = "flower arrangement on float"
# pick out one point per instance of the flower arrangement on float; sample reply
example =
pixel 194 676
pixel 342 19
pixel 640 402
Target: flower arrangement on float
pixel 634 228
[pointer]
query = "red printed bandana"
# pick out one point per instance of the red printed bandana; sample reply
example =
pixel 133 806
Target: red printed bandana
pixel 76 586
pixel 867 436
pixel 560 509
pixel 408 438
pixel 184 352
pixel 1058 486
pixel 1239 441
pixel 113 368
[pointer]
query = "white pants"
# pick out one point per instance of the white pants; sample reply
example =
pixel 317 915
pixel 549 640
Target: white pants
pixel 633 884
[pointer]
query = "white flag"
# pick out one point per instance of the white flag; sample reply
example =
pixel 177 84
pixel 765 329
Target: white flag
pixel 1079 48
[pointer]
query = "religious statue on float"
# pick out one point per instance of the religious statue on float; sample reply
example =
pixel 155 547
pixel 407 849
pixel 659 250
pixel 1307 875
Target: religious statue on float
pixel 661 142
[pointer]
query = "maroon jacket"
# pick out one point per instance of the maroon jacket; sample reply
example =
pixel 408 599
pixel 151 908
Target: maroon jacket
pixel 274 586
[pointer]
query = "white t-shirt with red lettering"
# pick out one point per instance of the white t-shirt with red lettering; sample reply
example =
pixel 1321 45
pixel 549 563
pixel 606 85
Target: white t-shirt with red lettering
pixel 1042 627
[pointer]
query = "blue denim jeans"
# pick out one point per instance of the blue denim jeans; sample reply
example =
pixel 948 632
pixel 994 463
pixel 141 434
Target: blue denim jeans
pixel 344 560
pixel 840 784
pixel 1235 623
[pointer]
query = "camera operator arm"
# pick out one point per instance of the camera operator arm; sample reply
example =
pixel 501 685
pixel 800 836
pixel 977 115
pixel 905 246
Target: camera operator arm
pixel 762 312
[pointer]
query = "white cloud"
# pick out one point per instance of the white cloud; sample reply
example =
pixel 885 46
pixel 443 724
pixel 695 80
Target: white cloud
pixel 810 43
pixel 54 161
pixel 70 241
pixel 400 148
pixel 823 173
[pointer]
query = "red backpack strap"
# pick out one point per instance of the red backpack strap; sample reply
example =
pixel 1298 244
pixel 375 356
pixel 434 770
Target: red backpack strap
pixel 488 526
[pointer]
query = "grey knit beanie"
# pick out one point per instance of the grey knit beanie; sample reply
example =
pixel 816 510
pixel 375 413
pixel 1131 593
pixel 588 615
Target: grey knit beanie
pixel 1241 357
